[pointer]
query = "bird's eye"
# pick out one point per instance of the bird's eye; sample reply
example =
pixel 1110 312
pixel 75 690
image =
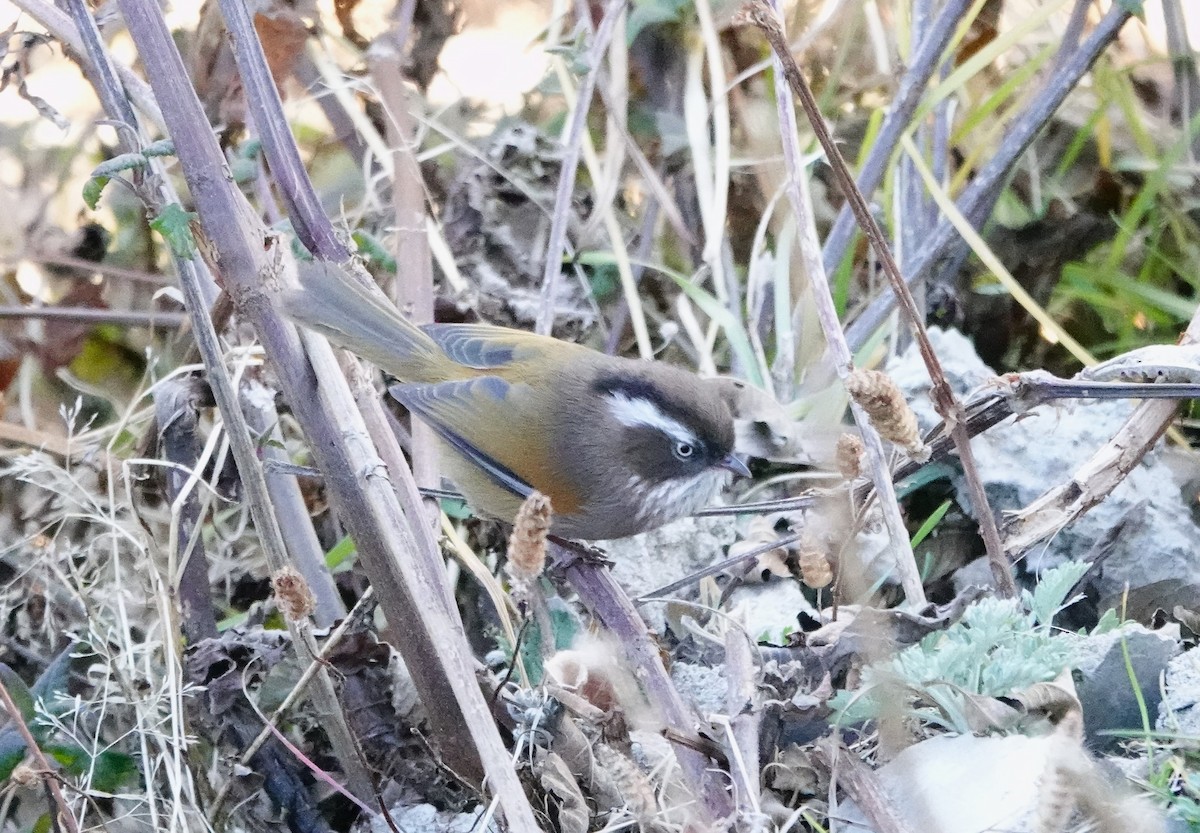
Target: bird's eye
pixel 684 451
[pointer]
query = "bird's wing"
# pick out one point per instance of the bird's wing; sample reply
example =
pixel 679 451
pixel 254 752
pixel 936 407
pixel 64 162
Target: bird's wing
pixel 452 410
pixel 499 426
pixel 484 347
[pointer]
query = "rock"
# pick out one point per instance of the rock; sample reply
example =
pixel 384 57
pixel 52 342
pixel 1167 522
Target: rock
pixel 962 785
pixel 1019 460
pixel 425 818
pixel 701 685
pixel 1105 691
pixel 1179 711
pixel 1017 784
pixel 648 561
pixel 768 611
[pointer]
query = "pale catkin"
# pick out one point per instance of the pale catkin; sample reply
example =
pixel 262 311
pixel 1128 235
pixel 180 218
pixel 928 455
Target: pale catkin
pixel 25 775
pixel 527 544
pixel 878 395
pixel 293 595
pixel 632 784
pixel 815 569
pixel 849 456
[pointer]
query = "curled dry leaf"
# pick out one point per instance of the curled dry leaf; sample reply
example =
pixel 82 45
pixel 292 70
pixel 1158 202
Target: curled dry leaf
pixel 1056 699
pixel 558 782
pixel 573 671
pixel 761 530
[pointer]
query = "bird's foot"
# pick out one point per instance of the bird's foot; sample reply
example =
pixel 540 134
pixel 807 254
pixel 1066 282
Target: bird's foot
pixel 570 553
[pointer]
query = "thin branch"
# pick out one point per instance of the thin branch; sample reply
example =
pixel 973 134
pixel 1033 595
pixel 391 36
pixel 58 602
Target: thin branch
pixel 605 599
pixel 308 218
pixel 572 148
pixel 766 18
pixel 305 549
pixel 944 400
pixel 980 195
pixel 397 548
pixel 92 315
pixel 1185 96
pixel 908 97
pixel 861 783
pixel 413 287
pixel 943 396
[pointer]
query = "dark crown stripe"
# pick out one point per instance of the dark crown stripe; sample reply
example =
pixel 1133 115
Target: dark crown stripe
pixel 641 389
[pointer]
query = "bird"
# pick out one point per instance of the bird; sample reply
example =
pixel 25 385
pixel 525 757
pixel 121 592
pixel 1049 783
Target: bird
pixel 620 446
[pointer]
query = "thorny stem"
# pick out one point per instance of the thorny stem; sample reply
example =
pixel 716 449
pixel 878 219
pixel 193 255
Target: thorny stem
pixel 944 401
pixel 93 315
pixel 601 595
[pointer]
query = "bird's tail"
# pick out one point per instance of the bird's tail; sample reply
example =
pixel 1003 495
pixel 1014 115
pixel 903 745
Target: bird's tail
pixel 336 306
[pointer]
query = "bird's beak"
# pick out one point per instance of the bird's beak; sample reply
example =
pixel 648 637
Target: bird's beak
pixel 732 463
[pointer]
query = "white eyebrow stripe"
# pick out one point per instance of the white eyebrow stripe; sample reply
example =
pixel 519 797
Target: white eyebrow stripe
pixel 636 410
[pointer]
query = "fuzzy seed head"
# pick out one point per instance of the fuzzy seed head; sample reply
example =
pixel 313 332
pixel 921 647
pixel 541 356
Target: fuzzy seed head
pixel 293 595
pixel 815 569
pixel 849 456
pixel 527 544
pixel 877 394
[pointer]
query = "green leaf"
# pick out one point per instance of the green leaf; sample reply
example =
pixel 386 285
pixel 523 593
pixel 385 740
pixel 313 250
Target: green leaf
pixel 456 509
pixel 932 473
pixel 1134 7
pixel 374 251
pixel 564 628
pixel 233 620
pixel 117 164
pixel 108 769
pixel 92 189
pixel 650 12
pixel 1050 595
pixel 1110 621
pixel 103 173
pixel 242 170
pixel 933 520
pixel 22 697
pixel 173 224
pixel 340 554
pixel 163 147
pixel 605 282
